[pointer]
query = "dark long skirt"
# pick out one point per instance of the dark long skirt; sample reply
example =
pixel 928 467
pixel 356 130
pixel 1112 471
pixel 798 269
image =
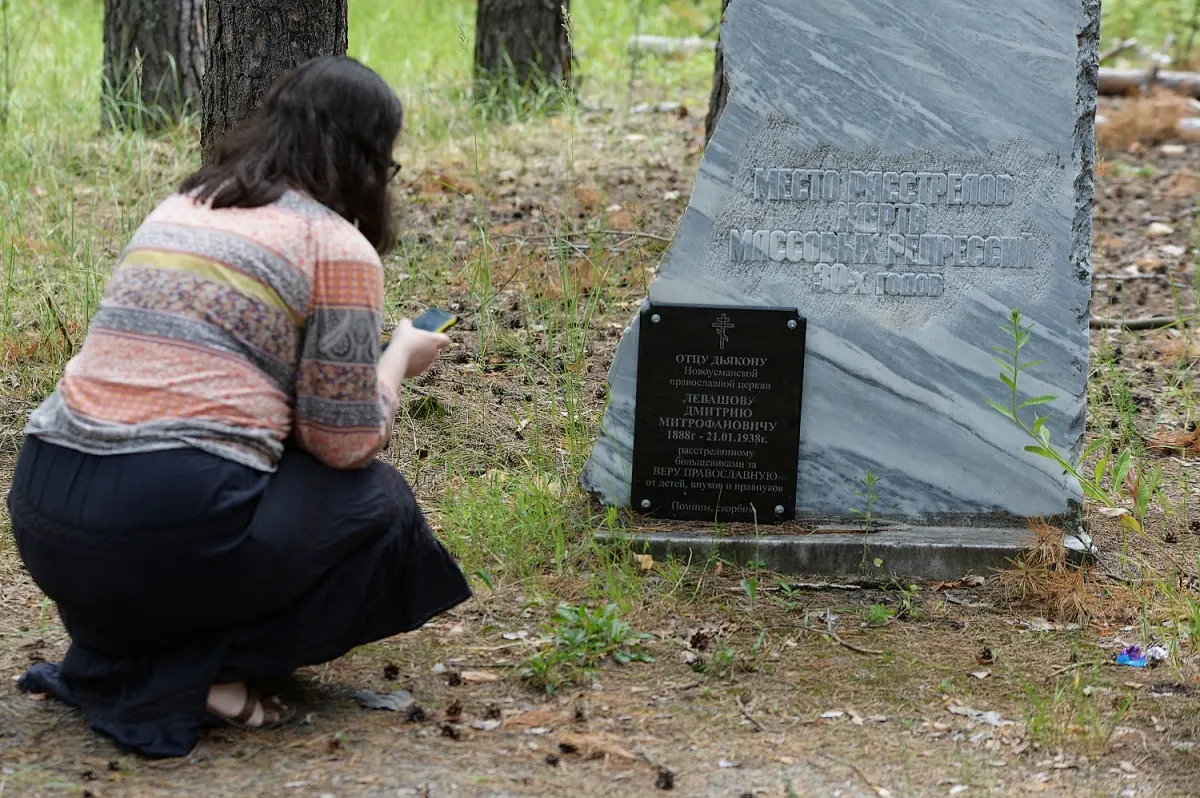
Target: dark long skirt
pixel 176 570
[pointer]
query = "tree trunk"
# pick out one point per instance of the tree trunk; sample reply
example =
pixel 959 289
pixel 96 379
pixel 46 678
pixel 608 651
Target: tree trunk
pixel 253 44
pixel 525 40
pixel 153 61
pixel 720 88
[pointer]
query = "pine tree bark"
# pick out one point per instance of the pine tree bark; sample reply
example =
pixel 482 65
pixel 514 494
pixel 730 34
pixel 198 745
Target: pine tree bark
pixel 720 87
pixel 253 44
pixel 526 39
pixel 153 62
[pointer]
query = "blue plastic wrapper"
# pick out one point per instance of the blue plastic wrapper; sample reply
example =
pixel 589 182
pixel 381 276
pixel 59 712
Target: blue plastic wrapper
pixel 1132 656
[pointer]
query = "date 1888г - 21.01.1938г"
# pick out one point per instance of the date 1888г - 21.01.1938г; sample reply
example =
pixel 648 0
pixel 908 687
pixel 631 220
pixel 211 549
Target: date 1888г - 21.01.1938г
pixel 717 420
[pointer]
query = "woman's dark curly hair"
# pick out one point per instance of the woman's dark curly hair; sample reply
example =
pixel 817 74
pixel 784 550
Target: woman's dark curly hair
pixel 327 129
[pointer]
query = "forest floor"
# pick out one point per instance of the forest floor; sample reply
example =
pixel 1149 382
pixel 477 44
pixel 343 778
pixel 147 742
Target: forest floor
pixel 759 684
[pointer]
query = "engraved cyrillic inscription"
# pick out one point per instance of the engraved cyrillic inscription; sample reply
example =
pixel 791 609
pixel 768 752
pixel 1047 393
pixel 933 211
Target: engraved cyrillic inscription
pixel 927 188
pixel 881 219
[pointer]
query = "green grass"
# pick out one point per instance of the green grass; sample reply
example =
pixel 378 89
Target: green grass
pixel 580 639
pixel 1072 713
pixel 1150 22
pixel 70 197
pixel 494 449
pixel 424 48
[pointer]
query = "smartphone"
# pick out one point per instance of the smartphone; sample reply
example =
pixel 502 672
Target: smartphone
pixel 432 320
pixel 435 321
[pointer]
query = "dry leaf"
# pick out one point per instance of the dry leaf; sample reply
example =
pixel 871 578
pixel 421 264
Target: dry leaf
pixel 645 560
pixel 445 184
pixel 1147 263
pixel 966 581
pixel 1146 120
pixel 1177 346
pixel 593 746
pixel 1183 183
pixel 588 197
pixel 1176 442
pixel 480 677
pixel 539 717
pixel 991 718
pixel 621 220
pixel 396 701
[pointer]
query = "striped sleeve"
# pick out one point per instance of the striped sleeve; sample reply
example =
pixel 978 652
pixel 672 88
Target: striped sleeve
pixel 344 412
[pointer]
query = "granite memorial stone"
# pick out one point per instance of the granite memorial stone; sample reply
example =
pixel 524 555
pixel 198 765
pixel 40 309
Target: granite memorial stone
pixel 902 173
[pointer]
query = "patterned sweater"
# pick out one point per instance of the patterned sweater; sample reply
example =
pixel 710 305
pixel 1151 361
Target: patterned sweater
pixel 229 330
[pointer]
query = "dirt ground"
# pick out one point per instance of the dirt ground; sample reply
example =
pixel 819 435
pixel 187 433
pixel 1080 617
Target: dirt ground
pixel 965 689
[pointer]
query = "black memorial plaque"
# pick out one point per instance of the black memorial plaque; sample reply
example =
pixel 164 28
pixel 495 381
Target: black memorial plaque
pixel 717 422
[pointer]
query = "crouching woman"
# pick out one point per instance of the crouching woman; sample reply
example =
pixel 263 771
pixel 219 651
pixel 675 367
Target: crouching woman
pixel 200 495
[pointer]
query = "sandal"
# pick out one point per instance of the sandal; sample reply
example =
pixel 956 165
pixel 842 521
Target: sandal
pixel 271 707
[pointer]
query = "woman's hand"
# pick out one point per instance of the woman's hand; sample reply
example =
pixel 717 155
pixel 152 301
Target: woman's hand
pixel 421 347
pixel 409 354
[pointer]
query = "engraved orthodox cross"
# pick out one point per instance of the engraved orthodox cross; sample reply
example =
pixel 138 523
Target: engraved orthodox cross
pixel 721 325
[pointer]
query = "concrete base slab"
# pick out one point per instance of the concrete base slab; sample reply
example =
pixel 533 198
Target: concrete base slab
pixel 933 553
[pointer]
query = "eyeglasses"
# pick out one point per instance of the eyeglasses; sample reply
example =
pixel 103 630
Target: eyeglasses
pixel 393 170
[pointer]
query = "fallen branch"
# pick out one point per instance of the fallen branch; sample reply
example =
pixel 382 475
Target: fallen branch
pixel 1125 278
pixel 62 328
pixel 852 647
pixel 1150 323
pixel 878 790
pixel 1121 278
pixel 832 635
pixel 1117 49
pixel 793 586
pixel 474 666
pixel 971 605
pixel 1117 82
pixel 576 234
pixel 665 45
pixel 630 233
pixel 746 714
pixel 1076 666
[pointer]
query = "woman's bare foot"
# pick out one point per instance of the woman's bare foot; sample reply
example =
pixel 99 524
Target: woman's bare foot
pixel 242 706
